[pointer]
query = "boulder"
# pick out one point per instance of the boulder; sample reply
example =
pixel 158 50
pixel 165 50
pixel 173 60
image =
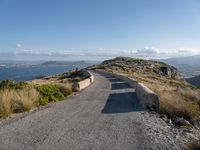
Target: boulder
pixel 181 122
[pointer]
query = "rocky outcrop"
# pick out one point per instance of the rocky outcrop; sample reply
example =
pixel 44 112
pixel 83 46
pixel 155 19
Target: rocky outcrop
pixel 141 66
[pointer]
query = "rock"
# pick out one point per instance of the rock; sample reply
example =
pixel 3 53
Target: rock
pixel 164 117
pixel 169 121
pixel 178 136
pixel 181 122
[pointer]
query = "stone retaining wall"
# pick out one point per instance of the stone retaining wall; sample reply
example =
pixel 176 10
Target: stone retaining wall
pixel 147 97
pixel 84 83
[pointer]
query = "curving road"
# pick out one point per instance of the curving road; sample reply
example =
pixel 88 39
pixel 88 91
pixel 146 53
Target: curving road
pixel 102 117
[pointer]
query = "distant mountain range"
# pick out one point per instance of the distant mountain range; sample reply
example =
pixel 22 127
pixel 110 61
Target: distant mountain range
pixel 8 63
pixel 64 63
pixel 188 66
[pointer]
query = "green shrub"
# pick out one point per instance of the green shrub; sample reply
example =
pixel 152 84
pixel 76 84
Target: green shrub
pixel 50 92
pixel 10 84
pixel 20 85
pixel 7 84
pixel 43 101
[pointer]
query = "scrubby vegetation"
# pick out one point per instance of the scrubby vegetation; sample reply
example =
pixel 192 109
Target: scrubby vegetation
pixel 16 97
pixel 177 100
pixel 49 92
pixel 177 97
pixel 10 84
pixel 62 78
pixel 16 101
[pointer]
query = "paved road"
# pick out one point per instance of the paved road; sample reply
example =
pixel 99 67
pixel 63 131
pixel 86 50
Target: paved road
pixel 103 116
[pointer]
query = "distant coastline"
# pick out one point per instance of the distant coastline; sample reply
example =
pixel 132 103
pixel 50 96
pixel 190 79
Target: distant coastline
pixel 25 72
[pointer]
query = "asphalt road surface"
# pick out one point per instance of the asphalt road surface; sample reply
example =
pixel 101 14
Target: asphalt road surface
pixel 101 117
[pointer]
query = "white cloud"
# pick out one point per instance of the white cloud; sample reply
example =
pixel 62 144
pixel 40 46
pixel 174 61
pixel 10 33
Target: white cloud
pixel 146 52
pixel 19 45
pixel 153 52
pixel 189 51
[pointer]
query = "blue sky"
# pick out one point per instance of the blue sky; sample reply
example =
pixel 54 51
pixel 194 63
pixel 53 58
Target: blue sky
pixel 83 29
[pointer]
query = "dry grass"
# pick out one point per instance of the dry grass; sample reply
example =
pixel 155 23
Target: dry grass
pixel 16 97
pixel 29 98
pixel 15 101
pixel 66 89
pixel 5 105
pixel 177 101
pixel 177 97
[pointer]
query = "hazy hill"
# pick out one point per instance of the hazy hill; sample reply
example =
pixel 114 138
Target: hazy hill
pixel 188 66
pixel 64 63
pixel 194 81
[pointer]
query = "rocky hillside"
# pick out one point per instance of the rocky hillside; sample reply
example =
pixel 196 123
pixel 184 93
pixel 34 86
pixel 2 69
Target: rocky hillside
pixel 140 66
pixel 178 98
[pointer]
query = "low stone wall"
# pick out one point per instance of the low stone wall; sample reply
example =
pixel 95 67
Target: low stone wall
pixel 84 83
pixel 147 97
pixel 91 78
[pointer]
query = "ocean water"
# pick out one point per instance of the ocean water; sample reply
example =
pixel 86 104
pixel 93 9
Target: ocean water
pixel 31 72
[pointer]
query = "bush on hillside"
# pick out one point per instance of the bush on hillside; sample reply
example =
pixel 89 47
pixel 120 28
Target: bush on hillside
pixel 50 92
pixel 6 84
pixel 17 97
pixel 10 84
pixel 43 101
pixel 20 85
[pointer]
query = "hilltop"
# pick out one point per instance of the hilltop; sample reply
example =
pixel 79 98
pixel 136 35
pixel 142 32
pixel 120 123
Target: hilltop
pixel 178 98
pixel 141 66
pixel 143 70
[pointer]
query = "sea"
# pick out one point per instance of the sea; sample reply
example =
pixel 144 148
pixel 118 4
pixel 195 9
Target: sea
pixel 25 73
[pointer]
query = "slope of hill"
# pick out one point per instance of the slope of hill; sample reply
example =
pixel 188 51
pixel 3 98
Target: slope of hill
pixel 177 97
pixel 194 81
pixel 188 66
